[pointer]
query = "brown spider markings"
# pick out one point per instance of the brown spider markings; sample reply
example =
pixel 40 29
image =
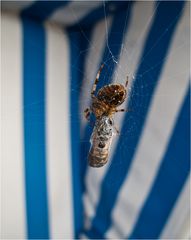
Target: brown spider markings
pixel 107 100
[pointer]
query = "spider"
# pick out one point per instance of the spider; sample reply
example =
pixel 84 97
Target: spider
pixel 104 106
pixel 107 100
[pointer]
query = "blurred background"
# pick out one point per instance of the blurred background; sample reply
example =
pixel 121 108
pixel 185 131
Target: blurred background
pixel 50 54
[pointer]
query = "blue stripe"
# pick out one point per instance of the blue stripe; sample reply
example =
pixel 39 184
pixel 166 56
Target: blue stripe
pixel 173 172
pixel 167 15
pixel 34 129
pixel 78 43
pixel 115 38
pixel 41 10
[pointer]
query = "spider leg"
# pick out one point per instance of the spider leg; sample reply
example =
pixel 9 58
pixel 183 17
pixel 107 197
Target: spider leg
pixel 87 113
pixel 120 110
pixel 123 110
pixel 96 81
pixel 127 81
pixel 116 130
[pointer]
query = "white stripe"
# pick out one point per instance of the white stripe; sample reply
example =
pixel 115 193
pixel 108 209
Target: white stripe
pixel 58 135
pixel 74 12
pixel 12 169
pixel 136 26
pixel 178 225
pixel 165 107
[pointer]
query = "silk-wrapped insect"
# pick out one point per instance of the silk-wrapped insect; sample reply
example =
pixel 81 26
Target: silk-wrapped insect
pixel 104 106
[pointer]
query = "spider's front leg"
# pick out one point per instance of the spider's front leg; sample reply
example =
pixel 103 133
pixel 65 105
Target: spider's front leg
pixel 96 81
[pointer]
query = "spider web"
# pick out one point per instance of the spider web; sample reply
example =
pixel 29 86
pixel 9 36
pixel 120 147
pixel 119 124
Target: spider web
pixel 128 51
pixel 138 87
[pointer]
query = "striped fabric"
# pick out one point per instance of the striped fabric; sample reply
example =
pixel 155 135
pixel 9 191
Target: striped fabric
pixel 51 52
